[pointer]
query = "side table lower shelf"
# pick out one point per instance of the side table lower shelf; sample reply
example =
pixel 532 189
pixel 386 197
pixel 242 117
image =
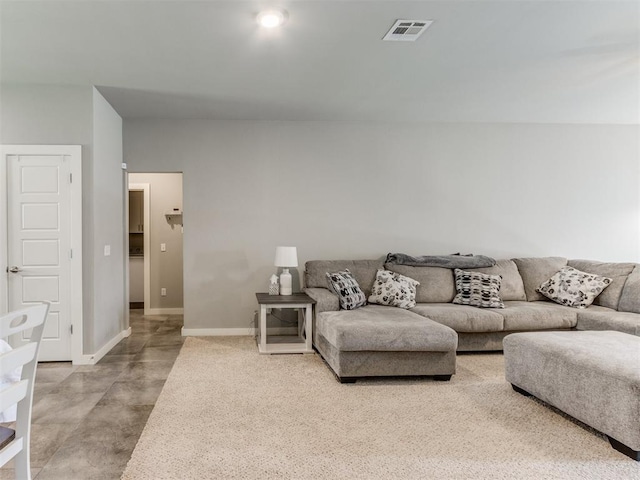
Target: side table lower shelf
pixel 284 344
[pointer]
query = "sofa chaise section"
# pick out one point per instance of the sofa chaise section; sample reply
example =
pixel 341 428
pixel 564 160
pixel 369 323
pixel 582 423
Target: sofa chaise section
pixel 377 341
pixel 374 341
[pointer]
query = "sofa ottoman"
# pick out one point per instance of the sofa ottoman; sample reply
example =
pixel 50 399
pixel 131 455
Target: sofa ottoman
pixel 375 341
pixel 594 376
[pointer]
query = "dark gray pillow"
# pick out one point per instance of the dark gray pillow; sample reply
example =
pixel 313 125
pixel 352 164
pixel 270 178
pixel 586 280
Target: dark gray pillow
pixel 478 289
pixel 346 287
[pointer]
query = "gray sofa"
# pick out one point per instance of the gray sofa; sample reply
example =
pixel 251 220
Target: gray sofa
pixel 379 340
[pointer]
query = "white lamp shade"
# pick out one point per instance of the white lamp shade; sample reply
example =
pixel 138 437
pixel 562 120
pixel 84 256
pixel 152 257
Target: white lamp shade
pixel 286 257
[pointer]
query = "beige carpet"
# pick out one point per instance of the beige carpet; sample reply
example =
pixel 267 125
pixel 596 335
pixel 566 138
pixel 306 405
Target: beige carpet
pixel 227 412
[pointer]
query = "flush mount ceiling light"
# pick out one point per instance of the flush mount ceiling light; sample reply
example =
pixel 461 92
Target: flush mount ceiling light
pixel 272 18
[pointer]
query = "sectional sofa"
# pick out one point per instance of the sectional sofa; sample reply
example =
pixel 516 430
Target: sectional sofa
pixel 376 340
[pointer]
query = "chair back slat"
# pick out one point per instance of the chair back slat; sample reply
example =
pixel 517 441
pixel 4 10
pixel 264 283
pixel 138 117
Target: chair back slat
pixel 21 393
pixel 13 394
pixel 11 450
pixel 19 320
pixel 18 357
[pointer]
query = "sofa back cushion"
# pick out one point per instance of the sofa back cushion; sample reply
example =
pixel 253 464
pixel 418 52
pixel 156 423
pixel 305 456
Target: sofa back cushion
pixel 535 271
pixel 617 272
pixel 364 271
pixel 512 287
pixel 630 296
pixel 437 285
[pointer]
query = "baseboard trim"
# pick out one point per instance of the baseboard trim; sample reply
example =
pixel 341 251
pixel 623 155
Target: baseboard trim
pixel 235 332
pixel 164 311
pixel 96 357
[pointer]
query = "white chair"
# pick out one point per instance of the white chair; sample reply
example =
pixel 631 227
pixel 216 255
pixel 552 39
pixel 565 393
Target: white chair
pixel 15 443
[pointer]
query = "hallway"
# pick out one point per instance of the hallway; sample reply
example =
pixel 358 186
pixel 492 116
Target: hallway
pixel 87 419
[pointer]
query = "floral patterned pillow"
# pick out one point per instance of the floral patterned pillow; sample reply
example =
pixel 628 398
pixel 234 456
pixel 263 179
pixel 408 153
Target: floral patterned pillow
pixel 478 289
pixel 393 289
pixel 574 288
pixel 348 290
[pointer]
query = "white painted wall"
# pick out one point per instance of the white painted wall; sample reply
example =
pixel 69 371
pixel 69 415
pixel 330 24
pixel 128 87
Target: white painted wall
pixel 165 193
pixel 343 190
pixel 44 114
pixel 108 224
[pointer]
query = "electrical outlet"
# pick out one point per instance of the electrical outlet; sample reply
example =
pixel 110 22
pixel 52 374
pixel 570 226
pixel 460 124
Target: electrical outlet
pixel 163 247
pixel 163 292
pixel 107 250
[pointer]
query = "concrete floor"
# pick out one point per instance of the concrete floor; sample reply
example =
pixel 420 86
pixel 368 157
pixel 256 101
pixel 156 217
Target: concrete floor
pixel 87 420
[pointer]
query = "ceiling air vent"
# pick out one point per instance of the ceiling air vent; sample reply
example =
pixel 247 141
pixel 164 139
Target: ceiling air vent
pixel 407 30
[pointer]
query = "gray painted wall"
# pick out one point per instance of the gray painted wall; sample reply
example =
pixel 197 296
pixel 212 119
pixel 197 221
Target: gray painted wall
pixel 44 115
pixel 165 192
pixel 41 114
pixel 353 190
pixel 108 220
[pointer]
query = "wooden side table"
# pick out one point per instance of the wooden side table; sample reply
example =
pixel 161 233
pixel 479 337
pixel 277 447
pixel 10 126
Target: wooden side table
pixel 287 344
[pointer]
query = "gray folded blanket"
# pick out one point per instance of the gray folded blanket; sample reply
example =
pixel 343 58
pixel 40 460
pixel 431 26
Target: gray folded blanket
pixel 443 261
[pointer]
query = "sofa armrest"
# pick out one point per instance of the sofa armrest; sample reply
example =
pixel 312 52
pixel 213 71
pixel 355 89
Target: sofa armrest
pixel 326 301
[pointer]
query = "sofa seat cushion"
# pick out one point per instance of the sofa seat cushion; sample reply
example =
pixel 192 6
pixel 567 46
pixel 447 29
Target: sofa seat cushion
pixel 380 328
pixel 519 316
pixel 462 318
pixel 601 318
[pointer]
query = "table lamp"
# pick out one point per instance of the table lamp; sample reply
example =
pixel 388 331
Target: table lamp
pixel 286 257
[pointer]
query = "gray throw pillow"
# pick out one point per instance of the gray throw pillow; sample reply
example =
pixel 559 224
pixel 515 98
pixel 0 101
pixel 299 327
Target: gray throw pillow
pixel 574 288
pixel 478 289
pixel 346 287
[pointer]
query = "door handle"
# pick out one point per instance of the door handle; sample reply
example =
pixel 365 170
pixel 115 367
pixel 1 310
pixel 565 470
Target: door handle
pixel 13 270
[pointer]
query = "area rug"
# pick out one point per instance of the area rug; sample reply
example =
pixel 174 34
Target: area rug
pixel 227 412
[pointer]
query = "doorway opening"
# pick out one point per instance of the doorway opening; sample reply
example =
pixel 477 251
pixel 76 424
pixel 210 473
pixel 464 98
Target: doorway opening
pixel 155 243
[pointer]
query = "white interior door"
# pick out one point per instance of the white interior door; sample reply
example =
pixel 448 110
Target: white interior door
pixel 40 248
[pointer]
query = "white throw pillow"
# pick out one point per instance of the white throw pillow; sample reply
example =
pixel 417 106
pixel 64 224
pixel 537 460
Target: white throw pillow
pixel 574 288
pixel 393 289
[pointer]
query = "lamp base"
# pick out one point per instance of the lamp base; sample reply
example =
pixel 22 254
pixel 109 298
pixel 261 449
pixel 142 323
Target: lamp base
pixel 285 282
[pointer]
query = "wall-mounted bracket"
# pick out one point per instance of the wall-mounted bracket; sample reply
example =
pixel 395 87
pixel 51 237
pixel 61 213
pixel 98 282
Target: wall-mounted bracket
pixel 174 217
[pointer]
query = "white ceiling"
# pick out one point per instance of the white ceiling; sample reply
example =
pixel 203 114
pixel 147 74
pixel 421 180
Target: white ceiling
pixel 480 61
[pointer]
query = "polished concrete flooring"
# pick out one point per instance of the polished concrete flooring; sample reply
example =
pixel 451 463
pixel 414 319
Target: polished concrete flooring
pixel 87 419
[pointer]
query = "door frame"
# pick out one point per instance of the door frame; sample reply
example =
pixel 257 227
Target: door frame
pixel 74 152
pixel 146 241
